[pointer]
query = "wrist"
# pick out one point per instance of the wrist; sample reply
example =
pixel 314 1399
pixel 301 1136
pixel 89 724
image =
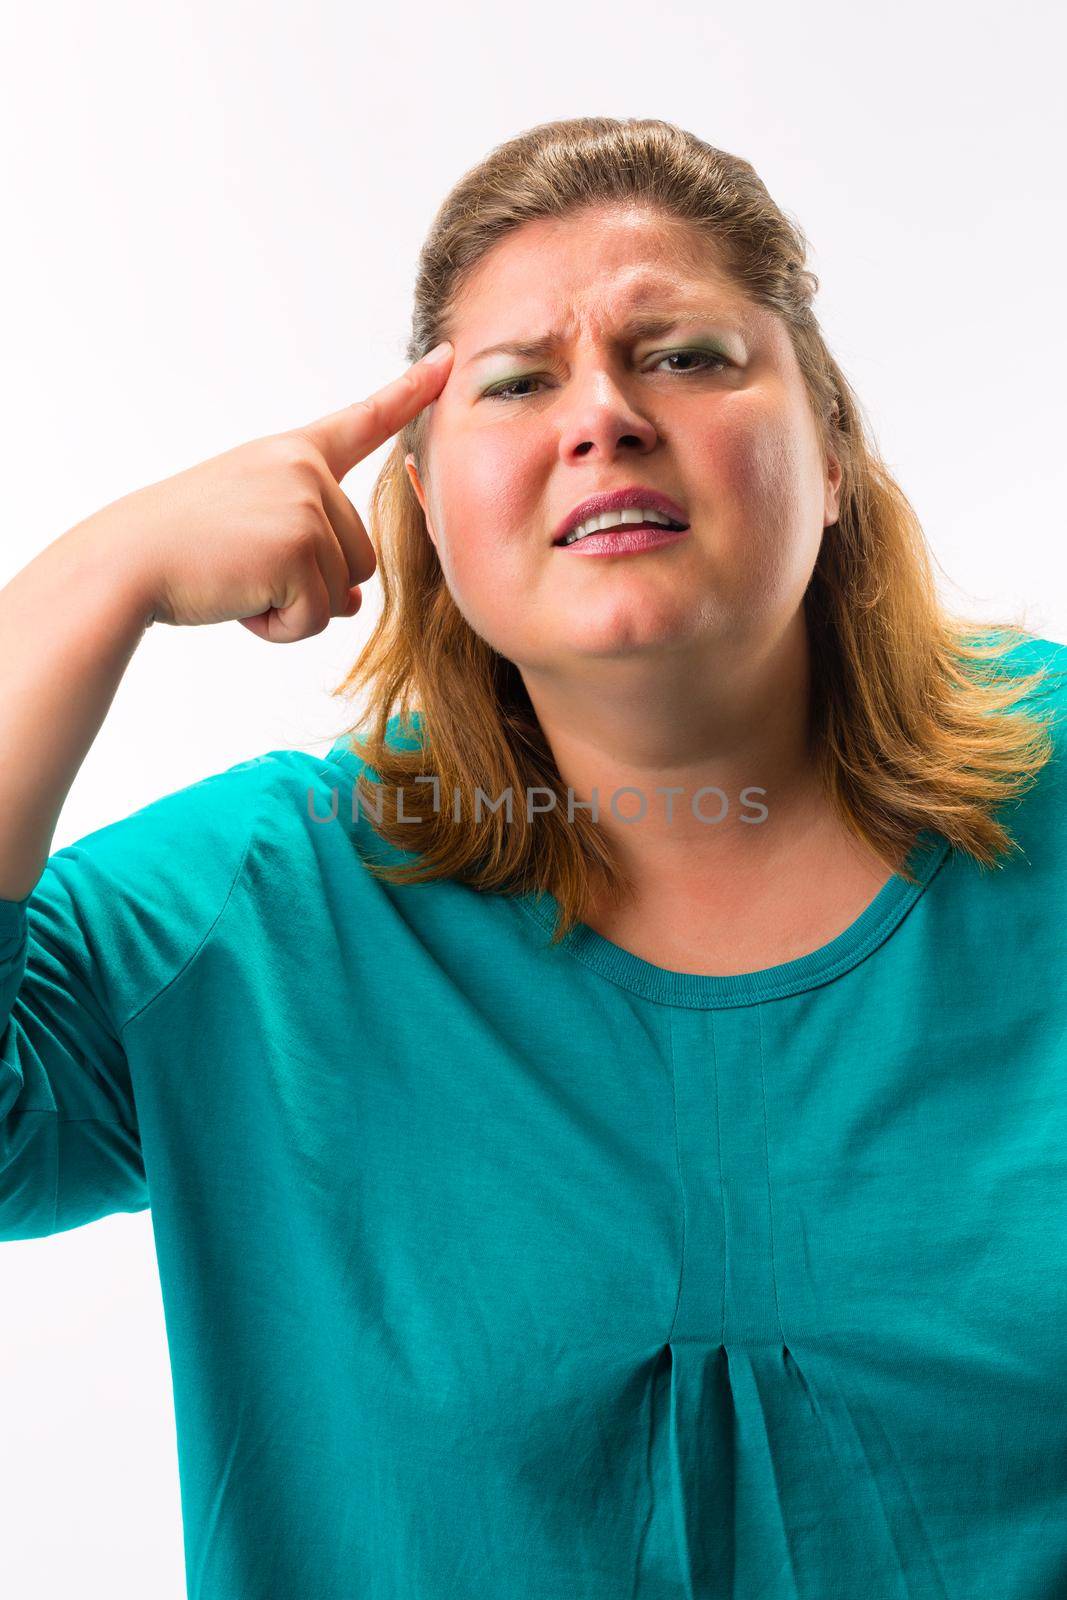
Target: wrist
pixel 102 557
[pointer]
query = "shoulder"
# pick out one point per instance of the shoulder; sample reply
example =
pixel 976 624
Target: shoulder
pixel 157 875
pixel 1047 699
pixel 131 904
pixel 125 906
pixel 203 826
pixel 1049 656
pixel 193 841
pixel 213 819
pixel 1037 817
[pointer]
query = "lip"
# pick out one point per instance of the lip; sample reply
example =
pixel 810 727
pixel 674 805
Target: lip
pixel 624 541
pixel 635 494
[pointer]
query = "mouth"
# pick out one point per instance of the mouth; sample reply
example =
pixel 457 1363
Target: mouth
pixel 628 538
pixel 621 523
pixel 636 505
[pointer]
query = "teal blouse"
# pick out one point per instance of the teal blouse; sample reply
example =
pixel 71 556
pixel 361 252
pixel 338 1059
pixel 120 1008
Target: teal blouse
pixel 501 1272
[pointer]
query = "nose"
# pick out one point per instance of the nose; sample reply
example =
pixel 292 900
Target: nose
pixel 601 417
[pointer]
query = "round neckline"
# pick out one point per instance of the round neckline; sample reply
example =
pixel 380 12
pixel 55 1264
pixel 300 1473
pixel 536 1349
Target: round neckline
pixel 696 990
pixel 704 991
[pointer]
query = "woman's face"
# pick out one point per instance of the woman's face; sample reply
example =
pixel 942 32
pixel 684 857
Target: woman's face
pixel 724 428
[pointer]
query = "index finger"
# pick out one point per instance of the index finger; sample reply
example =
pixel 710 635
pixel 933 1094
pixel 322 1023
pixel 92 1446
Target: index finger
pixel 344 437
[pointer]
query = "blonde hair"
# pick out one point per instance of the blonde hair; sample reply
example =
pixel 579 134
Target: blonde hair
pixel 911 714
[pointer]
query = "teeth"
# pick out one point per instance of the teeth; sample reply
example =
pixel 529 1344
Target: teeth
pixel 615 519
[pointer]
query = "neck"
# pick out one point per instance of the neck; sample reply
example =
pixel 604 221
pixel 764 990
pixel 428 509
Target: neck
pixel 733 721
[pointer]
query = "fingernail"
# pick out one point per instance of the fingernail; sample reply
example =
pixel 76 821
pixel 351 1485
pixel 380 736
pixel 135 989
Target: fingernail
pixel 440 351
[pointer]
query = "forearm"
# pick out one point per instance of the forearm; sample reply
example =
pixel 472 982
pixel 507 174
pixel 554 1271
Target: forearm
pixel 70 622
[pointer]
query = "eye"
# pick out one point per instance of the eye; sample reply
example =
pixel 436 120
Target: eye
pixel 501 391
pixel 708 355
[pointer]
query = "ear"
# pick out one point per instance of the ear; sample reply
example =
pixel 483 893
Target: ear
pixel 416 484
pixel 832 504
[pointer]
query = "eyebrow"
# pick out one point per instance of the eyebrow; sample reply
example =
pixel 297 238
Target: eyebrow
pixel 647 326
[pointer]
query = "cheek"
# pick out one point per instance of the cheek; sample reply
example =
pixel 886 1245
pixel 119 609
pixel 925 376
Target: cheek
pixel 488 528
pixel 756 463
pixel 494 513
pixel 762 499
pixel 502 481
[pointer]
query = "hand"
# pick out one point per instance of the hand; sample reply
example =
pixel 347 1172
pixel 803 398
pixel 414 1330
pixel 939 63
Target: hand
pixel 263 534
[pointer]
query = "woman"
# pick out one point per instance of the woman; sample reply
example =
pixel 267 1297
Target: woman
pixel 659 1199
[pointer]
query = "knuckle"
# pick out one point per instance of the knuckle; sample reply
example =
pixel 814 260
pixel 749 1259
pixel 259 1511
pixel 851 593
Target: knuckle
pixel 302 517
pixel 319 616
pixel 296 551
pixel 302 544
pixel 307 503
pixel 293 449
pixel 300 457
pixel 368 410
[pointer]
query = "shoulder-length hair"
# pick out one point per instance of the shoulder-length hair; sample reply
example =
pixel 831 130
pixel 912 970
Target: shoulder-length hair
pixel 911 709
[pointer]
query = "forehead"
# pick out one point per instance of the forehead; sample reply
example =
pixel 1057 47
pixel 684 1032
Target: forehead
pixel 595 265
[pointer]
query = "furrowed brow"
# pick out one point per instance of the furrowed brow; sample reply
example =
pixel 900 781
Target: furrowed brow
pixel 644 326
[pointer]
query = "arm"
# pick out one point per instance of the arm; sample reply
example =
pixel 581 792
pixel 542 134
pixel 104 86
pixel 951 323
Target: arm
pixel 114 920
pixel 70 622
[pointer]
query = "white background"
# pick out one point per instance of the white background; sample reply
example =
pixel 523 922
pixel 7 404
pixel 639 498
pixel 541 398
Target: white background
pixel 212 215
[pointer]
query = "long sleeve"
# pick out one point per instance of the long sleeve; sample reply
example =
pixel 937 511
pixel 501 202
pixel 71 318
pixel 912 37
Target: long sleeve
pixel 112 920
